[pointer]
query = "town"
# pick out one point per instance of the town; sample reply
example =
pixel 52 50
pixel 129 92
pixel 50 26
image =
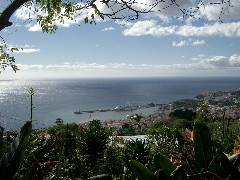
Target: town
pixel 219 104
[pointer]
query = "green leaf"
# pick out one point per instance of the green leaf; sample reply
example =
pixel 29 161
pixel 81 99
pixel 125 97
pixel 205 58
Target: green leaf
pixel 5 59
pixel 235 160
pixel 202 145
pixel 14 49
pixel 86 20
pixel 141 171
pixel 161 162
pixel 23 141
pixel 229 170
pixel 92 16
pixel 11 164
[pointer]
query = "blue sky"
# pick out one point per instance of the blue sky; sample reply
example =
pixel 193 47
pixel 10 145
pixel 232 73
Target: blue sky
pixel 154 45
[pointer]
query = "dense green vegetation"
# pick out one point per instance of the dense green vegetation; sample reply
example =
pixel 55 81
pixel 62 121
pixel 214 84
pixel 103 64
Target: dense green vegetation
pixel 206 148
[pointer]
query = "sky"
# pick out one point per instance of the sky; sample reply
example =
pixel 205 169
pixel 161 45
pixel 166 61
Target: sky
pixel 157 44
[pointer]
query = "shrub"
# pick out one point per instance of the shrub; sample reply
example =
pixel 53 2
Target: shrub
pixel 92 141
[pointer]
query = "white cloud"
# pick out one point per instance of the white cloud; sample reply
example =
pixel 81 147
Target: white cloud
pixel 163 10
pixel 230 10
pixel 28 50
pixel 108 29
pixel 25 13
pixel 199 66
pixel 180 43
pixel 34 27
pixel 124 23
pixel 200 62
pixel 188 42
pixel 198 42
pixel 217 29
pixel 235 60
pixel 219 62
pixel 151 28
pixel 168 9
pixel 22 48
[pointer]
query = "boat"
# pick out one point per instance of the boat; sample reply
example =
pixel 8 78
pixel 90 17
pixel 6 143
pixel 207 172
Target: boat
pixel 77 112
pixel 103 110
pixel 90 111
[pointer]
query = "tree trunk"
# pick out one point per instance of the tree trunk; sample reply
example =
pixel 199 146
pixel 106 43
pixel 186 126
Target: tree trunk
pixel 8 12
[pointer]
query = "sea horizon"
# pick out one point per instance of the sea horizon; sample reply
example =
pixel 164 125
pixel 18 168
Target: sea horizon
pixel 120 78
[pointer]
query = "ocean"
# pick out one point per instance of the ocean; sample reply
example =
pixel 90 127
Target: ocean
pixel 60 98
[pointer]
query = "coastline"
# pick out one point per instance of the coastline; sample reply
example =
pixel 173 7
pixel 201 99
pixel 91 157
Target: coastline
pixel 59 99
pixel 227 101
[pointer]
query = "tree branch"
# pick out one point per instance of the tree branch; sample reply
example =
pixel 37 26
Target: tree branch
pixel 8 12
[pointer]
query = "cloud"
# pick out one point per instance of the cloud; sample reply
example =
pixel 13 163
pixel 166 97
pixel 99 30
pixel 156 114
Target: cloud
pixel 180 43
pixel 198 42
pixel 24 48
pixel 77 70
pixel 188 42
pixel 28 50
pixel 151 28
pixel 108 29
pixel 213 10
pixel 34 27
pixel 163 10
pixel 26 13
pixel 229 10
pixel 168 10
pixel 200 65
pixel 200 62
pixel 124 23
pixel 222 62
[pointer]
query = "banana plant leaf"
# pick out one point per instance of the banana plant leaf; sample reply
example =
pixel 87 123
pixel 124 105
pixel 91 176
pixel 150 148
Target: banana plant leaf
pixel 229 169
pixel 141 171
pixel 235 160
pixel 203 146
pixel 11 161
pixel 161 162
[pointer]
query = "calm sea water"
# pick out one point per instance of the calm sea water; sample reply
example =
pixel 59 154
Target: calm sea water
pixel 60 98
